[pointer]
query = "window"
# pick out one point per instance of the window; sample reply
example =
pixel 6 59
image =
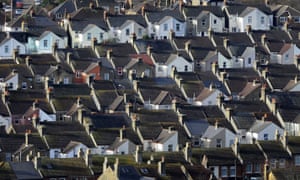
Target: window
pixel 127 32
pixel 6 49
pixel 257 168
pixel 177 27
pixel 66 80
pixel 249 60
pixel 223 171
pixel 106 76
pixel 203 22
pixel 297 19
pixel 215 21
pixel 297 160
pixel 77 74
pixel 18 47
pixel 147 72
pixel 219 143
pixel 232 171
pixel 160 69
pixel 170 147
pixel 281 163
pixel 185 68
pixel 287 57
pixel 89 36
pixel 45 43
pixel 249 19
pixel 282 19
pixel 101 36
pixel 140 32
pixel 273 163
pixel 262 20
pixel 24 85
pixel 249 168
pixel 165 27
pixel 120 71
pixel 266 137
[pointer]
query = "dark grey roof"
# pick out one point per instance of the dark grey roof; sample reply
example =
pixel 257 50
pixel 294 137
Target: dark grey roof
pixel 118 21
pixel 65 7
pixel 108 120
pixel 196 127
pixel 244 121
pixel 193 11
pixel 25 170
pixel 158 46
pixel 155 17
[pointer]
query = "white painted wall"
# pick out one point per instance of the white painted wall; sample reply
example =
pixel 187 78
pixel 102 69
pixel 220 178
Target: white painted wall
pixel 90 32
pixel 44 44
pixel 256 21
pixel 6 48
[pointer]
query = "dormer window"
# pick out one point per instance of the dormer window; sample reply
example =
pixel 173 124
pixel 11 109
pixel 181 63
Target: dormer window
pixel 127 32
pixel 24 85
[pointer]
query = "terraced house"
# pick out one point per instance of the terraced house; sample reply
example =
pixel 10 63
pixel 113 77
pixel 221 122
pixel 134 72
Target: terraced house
pixel 178 89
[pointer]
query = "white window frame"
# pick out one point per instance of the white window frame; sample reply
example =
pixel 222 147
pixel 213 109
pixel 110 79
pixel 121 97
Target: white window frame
pixel 224 171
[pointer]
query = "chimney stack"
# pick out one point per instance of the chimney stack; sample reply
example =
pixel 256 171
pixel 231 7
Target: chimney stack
pixel 188 152
pixel 122 133
pixel 116 167
pixel 104 166
pixel 138 155
pixel 162 167
pixel 26 139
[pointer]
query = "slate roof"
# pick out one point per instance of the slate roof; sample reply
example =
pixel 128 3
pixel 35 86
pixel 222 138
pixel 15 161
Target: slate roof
pixel 294 144
pixel 274 149
pixel 157 46
pixel 216 156
pixel 251 153
pixel 25 170
pixel 194 11
pixel 64 167
pixel 157 17
pixel 59 134
pixel 81 18
pixel 119 20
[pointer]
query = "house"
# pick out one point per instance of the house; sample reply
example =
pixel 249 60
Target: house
pixel 157 93
pixel 45 42
pixel 160 24
pixel 284 13
pixel 216 136
pixel 221 161
pixel 253 160
pixel 9 45
pixel 236 50
pixel 285 107
pixel 63 97
pixel 201 50
pixel 15 76
pixel 112 134
pixel 141 65
pixel 202 19
pixel 158 133
pixel 118 55
pixel 286 80
pixel 25 170
pixel 123 27
pixel 85 64
pixel 276 154
pixel 65 167
pixel 107 94
pixel 167 140
pixel 85 25
pixel 264 130
pixel 241 16
pixel 68 132
pixel 281 49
